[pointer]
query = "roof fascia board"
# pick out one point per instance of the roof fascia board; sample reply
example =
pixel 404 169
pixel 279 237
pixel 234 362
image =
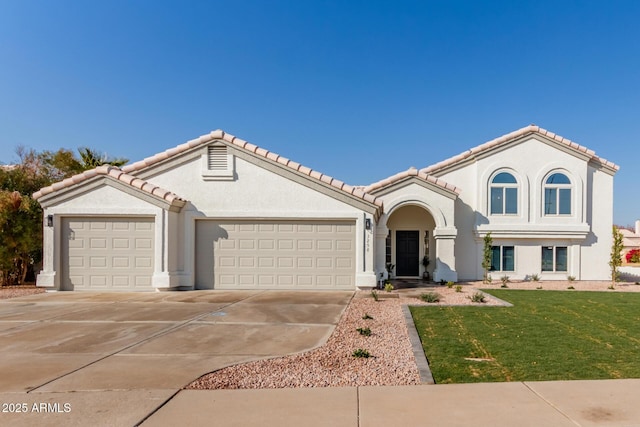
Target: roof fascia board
pixel 414 180
pixel 508 144
pixel 96 182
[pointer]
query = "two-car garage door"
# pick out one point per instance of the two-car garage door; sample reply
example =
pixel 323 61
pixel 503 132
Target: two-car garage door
pixel 107 253
pixel 254 254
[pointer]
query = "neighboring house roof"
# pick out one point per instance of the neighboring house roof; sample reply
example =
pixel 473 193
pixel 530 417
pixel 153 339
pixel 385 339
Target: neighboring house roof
pixel 117 174
pixel 244 145
pixel 376 186
pixel 629 238
pixel 505 139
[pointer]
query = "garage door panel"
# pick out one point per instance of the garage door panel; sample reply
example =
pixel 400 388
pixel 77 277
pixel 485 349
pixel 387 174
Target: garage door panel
pixel 275 254
pixel 107 253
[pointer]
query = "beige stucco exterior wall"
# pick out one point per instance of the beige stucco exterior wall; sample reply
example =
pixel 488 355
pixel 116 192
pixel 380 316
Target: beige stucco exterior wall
pixel 256 193
pixel 586 232
pixel 102 200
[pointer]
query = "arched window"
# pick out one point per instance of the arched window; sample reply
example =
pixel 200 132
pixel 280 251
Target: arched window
pixel 557 195
pixel 504 194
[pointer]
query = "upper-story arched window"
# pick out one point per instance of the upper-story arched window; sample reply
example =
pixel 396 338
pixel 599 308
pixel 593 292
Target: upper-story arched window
pixel 504 194
pixel 557 195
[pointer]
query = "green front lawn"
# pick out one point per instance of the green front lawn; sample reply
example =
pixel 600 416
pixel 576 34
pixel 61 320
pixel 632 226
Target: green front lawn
pixel 546 335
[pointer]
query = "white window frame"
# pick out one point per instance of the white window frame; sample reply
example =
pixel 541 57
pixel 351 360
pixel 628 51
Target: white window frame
pixel 502 258
pixel 557 188
pixel 554 250
pixel 503 187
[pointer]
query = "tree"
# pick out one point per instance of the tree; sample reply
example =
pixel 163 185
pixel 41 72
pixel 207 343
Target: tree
pixel 486 257
pixel 92 159
pixel 616 259
pixel 21 216
pixel 20 236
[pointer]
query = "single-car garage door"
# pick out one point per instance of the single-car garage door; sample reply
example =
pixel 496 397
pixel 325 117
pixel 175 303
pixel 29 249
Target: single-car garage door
pixel 275 254
pixel 107 253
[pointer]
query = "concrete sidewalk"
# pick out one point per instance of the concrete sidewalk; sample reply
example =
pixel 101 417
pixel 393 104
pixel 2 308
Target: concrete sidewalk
pixel 561 403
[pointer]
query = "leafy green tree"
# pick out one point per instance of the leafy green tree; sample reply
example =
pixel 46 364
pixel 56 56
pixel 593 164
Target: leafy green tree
pixel 92 159
pixel 21 216
pixel 486 257
pixel 616 259
pixel 20 236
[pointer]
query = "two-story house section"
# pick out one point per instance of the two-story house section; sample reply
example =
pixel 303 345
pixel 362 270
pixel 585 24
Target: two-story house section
pixel 547 202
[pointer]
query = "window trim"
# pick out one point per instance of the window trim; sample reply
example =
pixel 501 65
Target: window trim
pixel 502 258
pixel 554 259
pixel 557 189
pixel 503 187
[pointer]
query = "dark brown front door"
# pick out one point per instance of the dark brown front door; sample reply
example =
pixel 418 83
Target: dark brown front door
pixel 407 253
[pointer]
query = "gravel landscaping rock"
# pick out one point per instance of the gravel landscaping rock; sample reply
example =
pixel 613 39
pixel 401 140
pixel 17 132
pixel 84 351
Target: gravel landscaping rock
pixel 391 362
pixel 14 292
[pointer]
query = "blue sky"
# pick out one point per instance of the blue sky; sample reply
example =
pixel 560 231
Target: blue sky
pixel 356 89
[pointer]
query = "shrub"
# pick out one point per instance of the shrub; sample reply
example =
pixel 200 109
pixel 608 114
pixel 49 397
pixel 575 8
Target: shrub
pixel 367 317
pixel 570 287
pixel 388 287
pixel 361 353
pixel 450 284
pixel 458 288
pixel 374 294
pixel 477 297
pixel 535 277
pixel 504 279
pixel 364 331
pixel 430 297
pixel 539 287
pixel 633 256
pixel 571 278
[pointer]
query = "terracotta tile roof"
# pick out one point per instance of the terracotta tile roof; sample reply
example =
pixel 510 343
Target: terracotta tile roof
pixel 120 175
pixel 237 142
pixel 408 173
pixel 512 136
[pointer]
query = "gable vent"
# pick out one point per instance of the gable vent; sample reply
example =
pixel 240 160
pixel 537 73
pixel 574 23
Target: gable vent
pixel 217 158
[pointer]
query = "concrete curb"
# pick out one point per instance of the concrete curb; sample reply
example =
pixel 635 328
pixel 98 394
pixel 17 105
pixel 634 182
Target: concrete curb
pixel 416 345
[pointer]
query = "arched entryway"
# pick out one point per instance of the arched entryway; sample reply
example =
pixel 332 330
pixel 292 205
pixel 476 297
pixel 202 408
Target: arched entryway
pixel 410 245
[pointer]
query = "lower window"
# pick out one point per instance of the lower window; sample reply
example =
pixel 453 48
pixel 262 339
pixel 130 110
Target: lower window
pixel 502 258
pixel 554 258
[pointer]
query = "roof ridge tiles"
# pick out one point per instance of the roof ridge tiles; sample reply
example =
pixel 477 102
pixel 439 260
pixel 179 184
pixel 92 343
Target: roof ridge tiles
pixel 117 174
pixel 532 128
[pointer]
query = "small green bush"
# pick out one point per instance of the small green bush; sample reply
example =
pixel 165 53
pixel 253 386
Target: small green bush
pixel 374 294
pixel 362 353
pixel 450 284
pixel 388 287
pixel 458 288
pixel 504 279
pixel 364 331
pixel 535 278
pixel 430 297
pixel 611 287
pixel 571 278
pixel 571 287
pixel 477 297
pixel 367 317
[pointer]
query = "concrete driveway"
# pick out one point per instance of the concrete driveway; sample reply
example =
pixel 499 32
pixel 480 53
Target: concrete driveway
pixel 113 358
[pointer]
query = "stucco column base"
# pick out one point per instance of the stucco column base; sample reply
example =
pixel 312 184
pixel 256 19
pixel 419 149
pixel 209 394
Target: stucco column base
pixel 46 279
pixel 170 281
pixel 365 281
pixel 445 255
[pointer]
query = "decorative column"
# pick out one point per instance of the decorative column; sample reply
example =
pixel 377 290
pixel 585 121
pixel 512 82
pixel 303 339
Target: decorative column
pixel 381 234
pixel 445 254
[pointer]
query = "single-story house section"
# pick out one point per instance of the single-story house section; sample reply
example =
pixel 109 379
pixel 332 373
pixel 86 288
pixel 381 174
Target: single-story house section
pixel 220 213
